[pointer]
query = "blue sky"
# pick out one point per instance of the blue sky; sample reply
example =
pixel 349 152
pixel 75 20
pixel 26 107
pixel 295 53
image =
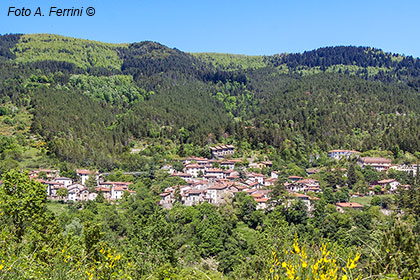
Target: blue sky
pixel 243 27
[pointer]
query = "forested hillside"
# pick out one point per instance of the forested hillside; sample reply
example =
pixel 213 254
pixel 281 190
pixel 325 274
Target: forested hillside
pixel 92 102
pixel 138 112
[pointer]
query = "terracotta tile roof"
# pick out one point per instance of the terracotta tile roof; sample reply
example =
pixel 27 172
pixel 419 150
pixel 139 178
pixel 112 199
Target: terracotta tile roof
pixel 386 181
pixel 349 205
pixel 299 195
pixel 257 195
pixel 181 174
pixel 214 170
pixel 63 178
pixel 375 160
pixel 307 181
pixel 344 151
pixel 195 192
pixel 164 194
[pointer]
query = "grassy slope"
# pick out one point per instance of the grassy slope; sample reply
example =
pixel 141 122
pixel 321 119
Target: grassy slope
pixel 83 53
pixel 366 199
pixel 231 61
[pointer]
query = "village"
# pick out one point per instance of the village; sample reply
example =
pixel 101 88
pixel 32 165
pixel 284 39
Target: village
pixel 67 189
pixel 217 179
pixel 205 182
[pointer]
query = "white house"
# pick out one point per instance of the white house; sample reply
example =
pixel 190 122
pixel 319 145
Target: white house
pixel 194 169
pixel 193 197
pixel 392 183
pixel 379 164
pixel 74 192
pixel 218 173
pixel 339 154
pixel 84 175
pixel 117 192
pixel 65 181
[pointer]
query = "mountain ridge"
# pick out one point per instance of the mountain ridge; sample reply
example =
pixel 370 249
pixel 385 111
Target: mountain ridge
pixel 298 104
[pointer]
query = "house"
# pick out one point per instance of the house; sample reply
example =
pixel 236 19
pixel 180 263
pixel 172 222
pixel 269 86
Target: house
pixel 294 178
pixel 347 205
pixel 392 183
pixel 117 192
pixel 312 171
pixel 410 168
pixel 194 169
pixel 270 182
pixel 222 151
pixel 253 184
pixel 262 203
pixel 84 194
pixel 65 181
pixel 306 200
pixel 264 164
pixel 84 175
pixel 215 193
pixel 193 197
pixel 216 172
pixel 105 191
pixel 74 192
pixel 275 174
pixel 379 164
pixel 256 177
pixel 165 199
pixel 228 164
pixel 168 168
pixel 308 185
pixel 339 154
pixel 185 176
pixel 50 173
pixel 51 186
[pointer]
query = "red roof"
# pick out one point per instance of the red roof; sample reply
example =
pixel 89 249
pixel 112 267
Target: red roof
pixel 261 200
pixel 307 181
pixel 344 151
pixel 295 177
pixel 349 205
pixel 386 181
pixel 181 175
pixel 195 165
pixel 375 160
pixel 299 195
pixel 214 170
pixel 164 194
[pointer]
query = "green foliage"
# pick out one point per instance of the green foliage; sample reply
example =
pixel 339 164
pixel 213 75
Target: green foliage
pixel 62 192
pixel 119 90
pixel 231 61
pixel 398 253
pixel 83 53
pixel 22 201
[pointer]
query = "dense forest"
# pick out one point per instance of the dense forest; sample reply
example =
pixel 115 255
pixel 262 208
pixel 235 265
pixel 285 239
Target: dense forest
pixel 91 102
pixel 68 103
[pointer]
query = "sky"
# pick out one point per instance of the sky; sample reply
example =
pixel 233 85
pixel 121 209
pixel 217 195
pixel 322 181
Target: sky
pixel 240 27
